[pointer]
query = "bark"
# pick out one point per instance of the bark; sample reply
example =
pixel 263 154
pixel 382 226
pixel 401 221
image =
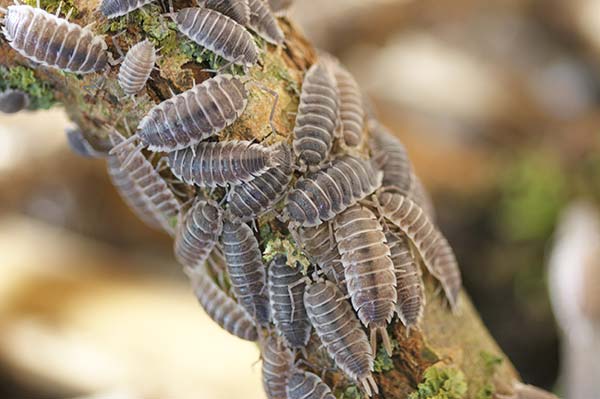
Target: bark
pixel 456 341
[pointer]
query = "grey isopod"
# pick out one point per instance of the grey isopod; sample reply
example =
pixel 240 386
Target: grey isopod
pixel 277 361
pixel 137 67
pixel 263 22
pixel 390 156
pixel 81 146
pixel 306 385
pixel 117 8
pixel 12 101
pixel 238 10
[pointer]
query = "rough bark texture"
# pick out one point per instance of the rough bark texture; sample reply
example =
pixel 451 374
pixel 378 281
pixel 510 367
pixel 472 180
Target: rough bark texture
pixel 446 342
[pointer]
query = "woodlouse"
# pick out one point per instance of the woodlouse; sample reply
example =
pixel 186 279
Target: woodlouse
pixel 247 272
pixel 368 269
pixel 280 7
pixel 221 308
pixel 320 197
pixel 219 164
pixel 391 157
pixel 317 116
pixel 341 333
pixel 198 232
pixel 409 279
pixel 80 145
pixel 238 10
pixel 250 200
pixel 137 67
pixel 12 101
pixel 286 290
pixel 54 42
pixel 431 245
pixel 141 186
pixel 277 362
pixel 117 8
pixel 219 34
pixel 306 385
pixel 263 22
pixel 419 194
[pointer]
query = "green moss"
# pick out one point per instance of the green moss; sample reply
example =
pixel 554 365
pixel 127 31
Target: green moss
pixel 351 392
pixel 490 362
pixel 383 362
pixel 441 383
pixel 22 78
pixel 287 247
pixel 52 5
pixel 486 392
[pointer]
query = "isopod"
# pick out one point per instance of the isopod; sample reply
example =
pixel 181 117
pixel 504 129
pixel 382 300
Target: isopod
pixel 340 332
pixel 277 362
pixel 280 7
pixel 320 197
pixel 52 41
pixel 198 232
pixel 431 245
pixel 263 22
pixel 116 8
pixel 317 116
pixel 286 290
pixel 250 200
pixel 247 272
pixel 219 34
pixel 12 101
pixel 409 279
pixel 419 194
pixel 306 385
pixel 139 184
pixel 238 10
pixel 227 313
pixel 219 164
pixel 80 145
pixel 136 67
pixel 390 156
pixel 368 269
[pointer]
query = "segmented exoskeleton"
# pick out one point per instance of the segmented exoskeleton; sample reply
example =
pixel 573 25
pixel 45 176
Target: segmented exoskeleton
pixel 52 41
pixel 220 164
pixel 141 185
pixel 320 197
pixel 80 145
pixel 391 157
pixel 317 116
pixel 12 101
pixel 431 245
pixel 280 7
pixel 137 67
pixel 277 362
pixel 305 385
pixel 286 291
pixel 219 34
pixel 341 333
pixel 222 309
pixel 247 272
pixel 419 194
pixel 117 8
pixel 263 22
pixel 368 269
pixel 198 232
pixel 250 200
pixel 238 10
pixel 409 280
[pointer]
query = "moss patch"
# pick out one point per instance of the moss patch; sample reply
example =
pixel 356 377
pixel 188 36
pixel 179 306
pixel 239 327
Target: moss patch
pixel 383 362
pixel 52 5
pixel 351 392
pixel 22 78
pixel 287 247
pixel 490 362
pixel 486 392
pixel 441 383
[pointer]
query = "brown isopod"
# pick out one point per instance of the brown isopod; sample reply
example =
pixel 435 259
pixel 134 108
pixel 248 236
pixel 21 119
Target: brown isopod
pixel 317 116
pixel 341 333
pixel 277 361
pixel 198 232
pixel 137 67
pixel 219 164
pixel 390 156
pixel 263 22
pixel 116 8
pixel 12 101
pixel 52 41
pixel 431 245
pixel 247 272
pixel 305 385
pixel 368 269
pixel 238 10
pixel 318 198
pixel 280 7
pixel 225 311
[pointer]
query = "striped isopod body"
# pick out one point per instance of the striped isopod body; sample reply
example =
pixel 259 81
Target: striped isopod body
pixel 219 164
pixel 352 112
pixel 409 280
pixel 277 361
pixel 320 246
pixel 252 199
pixel 317 116
pixel 238 10
pixel 80 145
pixel 140 183
pixel 247 272
pixel 198 233
pixel 368 269
pixel 280 7
pixel 263 22
pixel 137 67
pixel 434 250
pixel 194 115
pixel 117 8
pixel 326 193
pixel 306 385
pixel 286 290
pixel 340 332
pixel 54 42
pixel 12 101
pixel 419 194
pixel 219 34
pixel 390 156
pixel 225 311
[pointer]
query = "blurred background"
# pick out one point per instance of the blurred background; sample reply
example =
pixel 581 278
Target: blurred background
pixel 498 103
